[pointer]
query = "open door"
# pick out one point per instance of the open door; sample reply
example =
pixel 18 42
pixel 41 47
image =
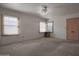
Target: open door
pixel 73 29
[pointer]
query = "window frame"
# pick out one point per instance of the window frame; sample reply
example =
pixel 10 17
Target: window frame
pixel 2 25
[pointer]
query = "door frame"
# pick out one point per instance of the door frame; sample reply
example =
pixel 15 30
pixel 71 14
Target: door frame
pixel 67 25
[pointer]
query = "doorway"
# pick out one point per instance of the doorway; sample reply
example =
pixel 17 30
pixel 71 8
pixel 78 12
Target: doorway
pixel 73 29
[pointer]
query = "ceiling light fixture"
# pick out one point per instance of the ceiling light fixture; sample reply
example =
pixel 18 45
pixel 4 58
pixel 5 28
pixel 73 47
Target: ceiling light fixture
pixel 44 10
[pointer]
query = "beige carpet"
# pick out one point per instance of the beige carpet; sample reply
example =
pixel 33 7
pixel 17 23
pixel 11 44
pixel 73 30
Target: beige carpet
pixel 42 47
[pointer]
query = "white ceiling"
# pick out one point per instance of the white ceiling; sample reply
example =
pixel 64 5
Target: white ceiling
pixel 54 9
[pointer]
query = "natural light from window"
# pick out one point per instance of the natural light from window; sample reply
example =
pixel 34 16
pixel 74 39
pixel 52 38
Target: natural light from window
pixel 46 27
pixel 42 27
pixel 10 25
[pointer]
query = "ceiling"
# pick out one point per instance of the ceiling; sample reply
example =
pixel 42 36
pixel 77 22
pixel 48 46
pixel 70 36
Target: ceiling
pixel 54 9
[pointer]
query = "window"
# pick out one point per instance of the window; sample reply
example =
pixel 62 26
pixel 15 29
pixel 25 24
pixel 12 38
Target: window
pixel 10 25
pixel 46 26
pixel 42 27
pixel 49 27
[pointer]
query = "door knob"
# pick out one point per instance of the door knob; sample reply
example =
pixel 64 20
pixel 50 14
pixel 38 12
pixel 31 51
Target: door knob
pixel 72 31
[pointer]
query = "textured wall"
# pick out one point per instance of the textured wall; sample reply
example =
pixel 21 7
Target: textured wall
pixel 29 26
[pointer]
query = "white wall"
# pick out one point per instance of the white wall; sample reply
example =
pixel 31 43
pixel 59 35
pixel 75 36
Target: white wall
pixel 60 24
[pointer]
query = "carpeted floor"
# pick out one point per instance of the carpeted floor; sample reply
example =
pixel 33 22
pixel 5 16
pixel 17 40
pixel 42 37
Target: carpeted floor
pixel 42 47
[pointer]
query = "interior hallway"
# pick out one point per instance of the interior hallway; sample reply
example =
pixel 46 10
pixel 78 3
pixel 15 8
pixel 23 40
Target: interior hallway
pixel 42 47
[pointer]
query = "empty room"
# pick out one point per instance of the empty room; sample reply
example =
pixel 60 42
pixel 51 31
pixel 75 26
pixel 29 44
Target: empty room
pixel 39 29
